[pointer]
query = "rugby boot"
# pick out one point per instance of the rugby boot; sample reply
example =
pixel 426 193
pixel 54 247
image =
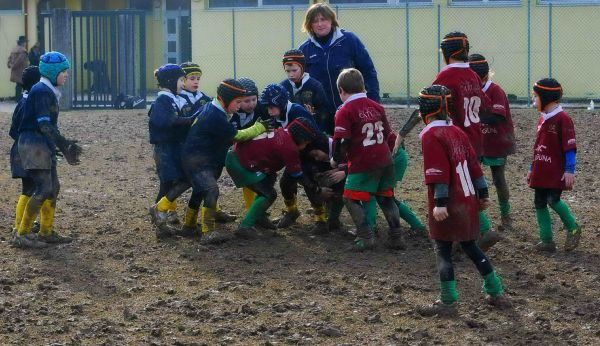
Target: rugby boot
pixel 288 219
pixel 506 223
pixel 545 246
pixel 320 228
pixel 438 308
pixel 246 233
pixel 500 301
pixel 54 237
pixel 172 218
pixel 572 239
pixel 222 216
pixel 265 222
pixel 189 231
pixel 364 239
pixel 395 239
pixel 215 237
pixel 157 217
pixel 488 239
pixel 28 241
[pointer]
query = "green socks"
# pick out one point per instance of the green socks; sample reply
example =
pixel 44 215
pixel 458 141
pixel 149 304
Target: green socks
pixel 504 207
pixel 409 216
pixel 370 208
pixel 335 209
pixel 256 211
pixel 562 209
pixel 448 293
pixel 492 284
pixel 544 224
pixel 484 223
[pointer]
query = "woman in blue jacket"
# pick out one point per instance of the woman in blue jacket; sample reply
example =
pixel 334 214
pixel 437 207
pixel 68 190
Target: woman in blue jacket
pixel 329 49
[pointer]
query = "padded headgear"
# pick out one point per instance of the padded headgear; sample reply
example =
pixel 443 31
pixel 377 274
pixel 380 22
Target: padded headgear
pixel 53 63
pixel 548 90
pixel 455 45
pixel 190 68
pixel 168 75
pixel 30 76
pixel 275 95
pixel 435 101
pixel 478 64
pixel 229 90
pixel 302 130
pixel 294 56
pixel 249 85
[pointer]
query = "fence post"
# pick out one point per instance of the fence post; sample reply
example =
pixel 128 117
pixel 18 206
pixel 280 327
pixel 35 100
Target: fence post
pixel 292 27
pixel 233 39
pixel 407 20
pixel 550 40
pixel 439 35
pixel 61 27
pixel 528 53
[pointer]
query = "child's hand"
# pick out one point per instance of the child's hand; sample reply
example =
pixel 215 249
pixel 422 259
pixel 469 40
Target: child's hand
pixel 569 179
pixel 484 203
pixel 309 108
pixel 440 213
pixel 318 155
pixel 528 176
pixel 397 144
pixel 333 163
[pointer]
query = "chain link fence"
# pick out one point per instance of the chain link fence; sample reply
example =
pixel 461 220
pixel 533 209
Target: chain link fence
pixel 522 44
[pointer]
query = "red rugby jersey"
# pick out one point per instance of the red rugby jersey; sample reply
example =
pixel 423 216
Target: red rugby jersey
pixel 269 153
pixel 499 138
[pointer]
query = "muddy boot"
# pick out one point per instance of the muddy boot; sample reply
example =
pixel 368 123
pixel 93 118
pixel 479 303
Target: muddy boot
pixel 36 227
pixel 265 222
pixel 158 218
pixel 189 232
pixel 438 308
pixel 488 240
pixel 248 233
pixel 364 240
pixel 545 246
pixel 224 217
pixel 172 218
pixel 395 239
pixel 28 241
pixel 572 239
pixel 501 301
pixel 215 237
pixel 288 219
pixel 320 228
pixel 54 238
pixel 506 223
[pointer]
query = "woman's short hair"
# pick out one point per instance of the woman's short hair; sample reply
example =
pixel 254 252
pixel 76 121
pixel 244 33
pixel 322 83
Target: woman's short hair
pixel 316 9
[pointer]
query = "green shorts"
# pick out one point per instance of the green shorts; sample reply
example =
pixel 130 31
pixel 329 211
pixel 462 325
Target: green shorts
pixel 493 161
pixel 240 175
pixel 360 186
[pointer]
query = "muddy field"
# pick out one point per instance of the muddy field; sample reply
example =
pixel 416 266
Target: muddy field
pixel 115 284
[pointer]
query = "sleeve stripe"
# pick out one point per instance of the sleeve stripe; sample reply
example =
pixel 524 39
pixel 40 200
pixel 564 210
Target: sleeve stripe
pixel 43 118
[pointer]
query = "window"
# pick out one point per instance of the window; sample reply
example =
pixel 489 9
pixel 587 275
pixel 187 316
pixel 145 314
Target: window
pixel 569 2
pixel 11 5
pixel 145 5
pixel 284 2
pixel 485 2
pixel 381 2
pixel 232 3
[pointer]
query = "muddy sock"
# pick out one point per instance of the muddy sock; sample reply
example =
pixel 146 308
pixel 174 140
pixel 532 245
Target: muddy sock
pixel 21 204
pixel 544 224
pixel 291 204
pixel 448 292
pixel 320 214
pixel 208 219
pixel 562 209
pixel 504 207
pixel 164 205
pixel 256 211
pixel 371 212
pixel 409 216
pixel 249 196
pixel 492 284
pixel 173 206
pixel 47 217
pixel 484 223
pixel 29 215
pixel 191 217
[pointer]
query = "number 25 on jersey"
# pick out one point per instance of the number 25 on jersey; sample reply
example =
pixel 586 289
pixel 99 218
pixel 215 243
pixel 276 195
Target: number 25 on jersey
pixel 371 130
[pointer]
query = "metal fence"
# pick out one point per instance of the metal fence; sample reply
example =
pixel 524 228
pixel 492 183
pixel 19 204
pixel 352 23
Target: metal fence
pixel 522 43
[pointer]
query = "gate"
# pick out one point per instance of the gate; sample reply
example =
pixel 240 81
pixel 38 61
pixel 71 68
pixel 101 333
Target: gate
pixel 108 56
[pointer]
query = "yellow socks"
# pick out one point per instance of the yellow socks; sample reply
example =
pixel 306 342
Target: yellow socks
pixel 249 196
pixel 164 205
pixel 291 204
pixel 21 204
pixel 173 206
pixel 31 212
pixel 47 217
pixel 208 219
pixel 320 213
pixel 191 217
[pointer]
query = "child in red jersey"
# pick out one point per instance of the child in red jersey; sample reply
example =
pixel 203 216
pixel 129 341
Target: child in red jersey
pixel 470 104
pixel 553 167
pixel 360 137
pixel 457 191
pixel 498 134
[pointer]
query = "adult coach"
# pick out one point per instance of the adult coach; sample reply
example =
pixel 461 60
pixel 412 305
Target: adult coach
pixel 329 49
pixel 17 62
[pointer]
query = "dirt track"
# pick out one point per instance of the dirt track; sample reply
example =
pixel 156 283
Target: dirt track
pixel 117 285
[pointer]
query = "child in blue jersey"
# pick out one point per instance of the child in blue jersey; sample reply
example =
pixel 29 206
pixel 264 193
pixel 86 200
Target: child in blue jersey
pixel 203 156
pixel 30 76
pixel 167 128
pixel 306 91
pixel 195 98
pixel 277 101
pixel 38 139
